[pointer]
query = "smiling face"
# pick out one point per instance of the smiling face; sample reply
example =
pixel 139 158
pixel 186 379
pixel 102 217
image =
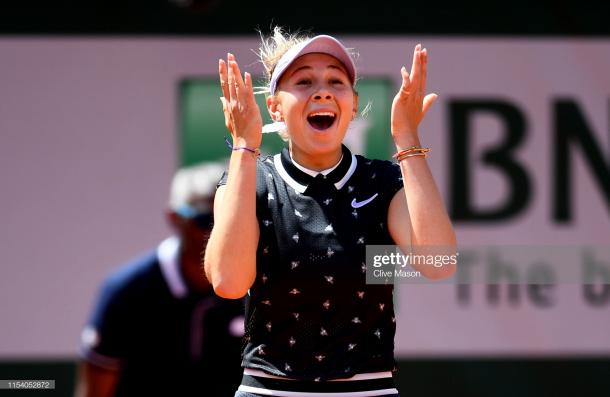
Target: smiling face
pixel 316 101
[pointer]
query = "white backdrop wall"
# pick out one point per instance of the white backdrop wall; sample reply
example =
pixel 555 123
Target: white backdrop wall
pixel 88 144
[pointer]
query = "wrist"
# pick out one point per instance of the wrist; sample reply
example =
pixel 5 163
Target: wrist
pixel 236 147
pixel 245 154
pixel 245 142
pixel 405 141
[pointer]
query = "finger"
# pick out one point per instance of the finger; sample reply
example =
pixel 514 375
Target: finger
pixel 406 82
pixel 416 63
pixel 428 102
pixel 222 72
pixel 238 83
pixel 424 69
pixel 248 89
pixel 231 80
pixel 225 111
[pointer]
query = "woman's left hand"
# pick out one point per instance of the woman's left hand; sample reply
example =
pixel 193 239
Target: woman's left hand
pixel 410 103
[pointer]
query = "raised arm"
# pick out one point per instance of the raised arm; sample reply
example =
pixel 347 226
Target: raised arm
pixel 417 217
pixel 230 256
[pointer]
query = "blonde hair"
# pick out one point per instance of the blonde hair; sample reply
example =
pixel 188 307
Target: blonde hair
pixel 274 46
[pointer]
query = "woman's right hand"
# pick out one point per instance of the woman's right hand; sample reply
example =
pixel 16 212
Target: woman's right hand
pixel 242 114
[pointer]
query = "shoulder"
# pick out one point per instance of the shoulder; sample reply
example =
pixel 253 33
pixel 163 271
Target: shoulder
pixel 136 274
pixel 264 166
pixel 266 163
pixel 375 163
pixel 266 172
pixel 384 176
pixel 377 168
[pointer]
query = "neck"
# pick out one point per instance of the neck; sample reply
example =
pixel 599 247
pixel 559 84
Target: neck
pixel 318 162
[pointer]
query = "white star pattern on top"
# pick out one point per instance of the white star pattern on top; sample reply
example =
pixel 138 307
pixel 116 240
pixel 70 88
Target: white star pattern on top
pixel 330 310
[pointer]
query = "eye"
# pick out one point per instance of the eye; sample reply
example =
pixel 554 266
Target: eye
pixel 303 82
pixel 336 81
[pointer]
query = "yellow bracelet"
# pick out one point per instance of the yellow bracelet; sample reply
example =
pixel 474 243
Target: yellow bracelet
pixel 399 159
pixel 413 150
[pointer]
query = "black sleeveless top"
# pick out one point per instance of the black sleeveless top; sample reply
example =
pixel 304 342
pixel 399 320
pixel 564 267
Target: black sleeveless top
pixel 310 314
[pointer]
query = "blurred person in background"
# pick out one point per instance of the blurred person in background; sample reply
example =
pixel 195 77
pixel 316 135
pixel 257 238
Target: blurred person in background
pixel 157 326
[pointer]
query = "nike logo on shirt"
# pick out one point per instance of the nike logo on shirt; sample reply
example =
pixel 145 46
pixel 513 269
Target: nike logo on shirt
pixel 358 204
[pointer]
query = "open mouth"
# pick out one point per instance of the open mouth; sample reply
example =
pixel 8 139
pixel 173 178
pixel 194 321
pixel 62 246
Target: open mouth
pixel 321 120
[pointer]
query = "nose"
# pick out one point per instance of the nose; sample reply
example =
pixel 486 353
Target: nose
pixel 323 94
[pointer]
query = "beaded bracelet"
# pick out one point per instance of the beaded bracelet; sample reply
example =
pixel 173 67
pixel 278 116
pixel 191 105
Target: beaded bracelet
pixel 256 152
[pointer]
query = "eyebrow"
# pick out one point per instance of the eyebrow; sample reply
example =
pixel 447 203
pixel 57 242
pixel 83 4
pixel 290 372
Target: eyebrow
pixel 309 67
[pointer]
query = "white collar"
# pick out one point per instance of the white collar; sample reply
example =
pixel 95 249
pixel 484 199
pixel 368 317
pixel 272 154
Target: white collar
pixel 315 173
pixel 277 162
pixel 167 253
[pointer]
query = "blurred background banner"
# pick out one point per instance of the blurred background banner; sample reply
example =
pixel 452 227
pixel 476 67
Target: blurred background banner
pixel 93 128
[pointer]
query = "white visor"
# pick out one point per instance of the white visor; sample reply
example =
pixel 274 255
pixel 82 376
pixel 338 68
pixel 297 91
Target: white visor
pixel 322 44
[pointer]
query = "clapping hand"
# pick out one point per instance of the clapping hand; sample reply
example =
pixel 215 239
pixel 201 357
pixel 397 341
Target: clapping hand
pixel 242 114
pixel 411 102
